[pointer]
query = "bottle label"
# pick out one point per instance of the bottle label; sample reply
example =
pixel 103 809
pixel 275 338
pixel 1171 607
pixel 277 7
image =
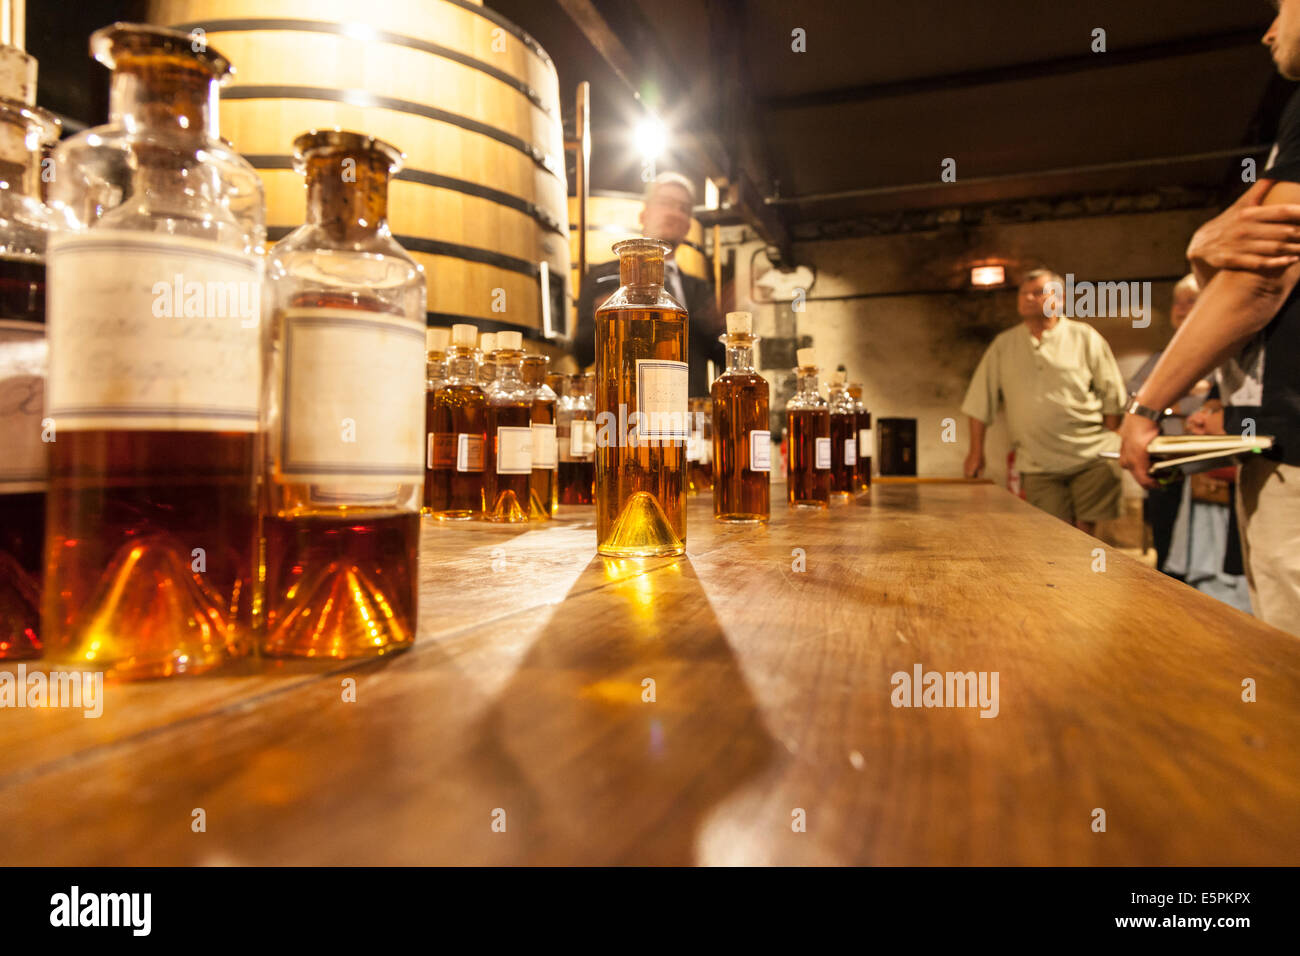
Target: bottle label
pixel 153 332
pixel 865 442
pixel 514 450
pixel 469 452
pixel 348 405
pixel 582 439
pixel 823 453
pixel 24 464
pixel 441 451
pixel 661 387
pixel 545 447
pixel 694 449
pixel 850 451
pixel 760 451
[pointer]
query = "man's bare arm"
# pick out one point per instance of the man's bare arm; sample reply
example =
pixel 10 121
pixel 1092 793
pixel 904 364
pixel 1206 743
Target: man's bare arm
pixel 1232 308
pixel 1255 232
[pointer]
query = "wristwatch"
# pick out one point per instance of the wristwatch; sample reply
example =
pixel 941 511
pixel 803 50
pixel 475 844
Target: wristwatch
pixel 1137 408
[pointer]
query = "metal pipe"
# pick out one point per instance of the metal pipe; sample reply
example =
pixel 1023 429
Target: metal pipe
pixel 13 23
pixel 582 124
pixel 1015 177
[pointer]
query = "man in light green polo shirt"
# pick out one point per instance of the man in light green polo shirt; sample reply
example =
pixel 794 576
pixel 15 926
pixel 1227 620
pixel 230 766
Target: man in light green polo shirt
pixel 1064 397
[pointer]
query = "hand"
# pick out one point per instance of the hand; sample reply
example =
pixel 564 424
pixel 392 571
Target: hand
pixel 1136 433
pixel 1207 420
pixel 1247 236
pixel 974 466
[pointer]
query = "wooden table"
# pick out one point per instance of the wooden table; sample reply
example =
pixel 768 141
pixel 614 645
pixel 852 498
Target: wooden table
pixel 523 702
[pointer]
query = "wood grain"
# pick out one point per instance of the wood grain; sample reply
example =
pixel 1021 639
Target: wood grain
pixel 1119 689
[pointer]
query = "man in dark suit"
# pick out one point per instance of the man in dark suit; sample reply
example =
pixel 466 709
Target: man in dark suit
pixel 669 202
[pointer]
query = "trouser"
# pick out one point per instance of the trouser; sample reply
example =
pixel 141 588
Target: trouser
pixel 1091 492
pixel 1268 515
pixel 1161 511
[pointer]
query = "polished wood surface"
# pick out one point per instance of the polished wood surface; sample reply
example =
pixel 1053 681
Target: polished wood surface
pixel 1119 689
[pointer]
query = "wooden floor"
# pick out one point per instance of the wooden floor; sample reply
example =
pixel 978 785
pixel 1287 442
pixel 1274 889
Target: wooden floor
pixel 771 652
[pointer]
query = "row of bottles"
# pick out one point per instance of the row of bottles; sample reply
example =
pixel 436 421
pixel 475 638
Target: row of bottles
pixel 824 436
pixel 501 443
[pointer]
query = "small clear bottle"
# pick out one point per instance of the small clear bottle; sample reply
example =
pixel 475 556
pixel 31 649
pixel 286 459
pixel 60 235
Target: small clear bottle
pixel 575 427
pixel 543 487
pixel 742 441
pixel 844 438
pixel 809 438
pixel 24 467
pixel 454 475
pixel 641 410
pixel 866 444
pixel 487 362
pixel 436 341
pixel 509 459
pixel 345 419
pixel 156 344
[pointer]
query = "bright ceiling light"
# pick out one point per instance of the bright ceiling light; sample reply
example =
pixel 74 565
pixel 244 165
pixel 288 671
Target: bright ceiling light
pixel 651 138
pixel 984 276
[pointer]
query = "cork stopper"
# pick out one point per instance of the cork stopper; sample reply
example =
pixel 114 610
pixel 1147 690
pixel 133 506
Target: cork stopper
pixel 807 358
pixel 436 340
pixel 464 336
pixel 740 323
pixel 487 343
pixel 17 75
pixel 838 378
pixel 513 341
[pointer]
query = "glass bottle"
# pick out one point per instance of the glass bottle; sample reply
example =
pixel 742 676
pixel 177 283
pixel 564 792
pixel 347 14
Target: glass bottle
pixel 844 438
pixel 487 367
pixel 641 410
pixel 699 447
pixel 345 419
pixel 742 441
pixel 862 475
pixel 542 489
pixel 809 441
pixel 455 463
pixel 575 429
pixel 436 341
pixel 509 460
pixel 155 378
pixel 24 468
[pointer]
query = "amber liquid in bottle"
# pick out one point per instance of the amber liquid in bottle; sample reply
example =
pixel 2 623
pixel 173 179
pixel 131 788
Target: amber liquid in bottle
pixel 575 431
pixel 509 459
pixel 435 492
pixel 741 492
pixel 22 513
pixel 459 435
pixel 699 466
pixel 809 486
pixel 151 535
pixel 864 462
pixel 544 484
pixel 844 470
pixel 640 480
pixel 340 582
pixel 507 494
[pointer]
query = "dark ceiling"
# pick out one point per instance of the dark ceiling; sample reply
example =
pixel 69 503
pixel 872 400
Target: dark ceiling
pixel 855 128
pixel 1010 89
